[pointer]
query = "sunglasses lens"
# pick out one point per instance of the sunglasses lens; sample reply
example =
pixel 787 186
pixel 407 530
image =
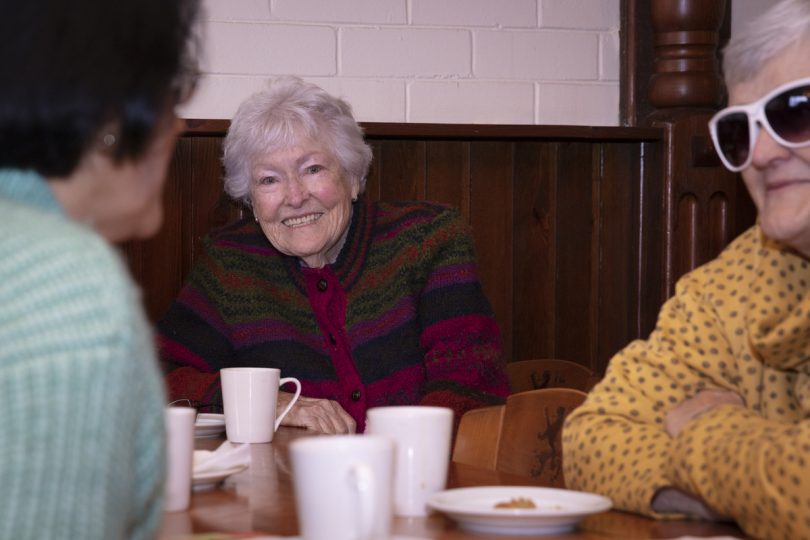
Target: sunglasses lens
pixel 734 138
pixel 789 114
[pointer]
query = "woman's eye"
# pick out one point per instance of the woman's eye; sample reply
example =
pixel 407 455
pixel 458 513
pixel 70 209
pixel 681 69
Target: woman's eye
pixel 314 169
pixel 266 180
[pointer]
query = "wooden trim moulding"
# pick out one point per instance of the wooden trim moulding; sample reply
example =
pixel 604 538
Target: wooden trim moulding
pixel 469 131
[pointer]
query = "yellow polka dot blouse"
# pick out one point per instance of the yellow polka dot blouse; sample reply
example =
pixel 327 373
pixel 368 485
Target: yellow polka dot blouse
pixel 739 323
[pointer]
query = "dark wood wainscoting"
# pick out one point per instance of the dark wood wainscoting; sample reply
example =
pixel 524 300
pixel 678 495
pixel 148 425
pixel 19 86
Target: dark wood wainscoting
pixel 572 224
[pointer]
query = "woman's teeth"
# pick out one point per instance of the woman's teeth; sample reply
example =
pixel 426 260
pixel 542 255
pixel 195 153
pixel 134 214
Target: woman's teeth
pixel 303 220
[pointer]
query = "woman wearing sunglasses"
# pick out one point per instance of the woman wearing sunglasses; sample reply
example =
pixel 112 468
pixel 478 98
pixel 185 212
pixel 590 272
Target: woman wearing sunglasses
pixel 710 416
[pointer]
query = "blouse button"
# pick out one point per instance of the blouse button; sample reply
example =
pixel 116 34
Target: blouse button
pixel 322 284
pixel 356 395
pixel 332 339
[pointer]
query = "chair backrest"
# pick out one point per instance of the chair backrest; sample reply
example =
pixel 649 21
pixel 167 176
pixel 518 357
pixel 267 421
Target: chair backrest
pixel 548 373
pixel 477 437
pixel 522 437
pixel 530 443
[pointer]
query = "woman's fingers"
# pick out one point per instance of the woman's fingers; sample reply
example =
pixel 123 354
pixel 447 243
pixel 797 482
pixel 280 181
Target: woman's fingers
pixel 700 403
pixel 320 415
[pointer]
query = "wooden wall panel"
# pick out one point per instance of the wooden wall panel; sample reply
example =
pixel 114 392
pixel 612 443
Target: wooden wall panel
pixel 649 239
pixel 157 263
pixel 617 208
pixel 708 206
pixel 535 244
pixel 575 252
pixel 491 173
pixel 448 174
pixel 402 170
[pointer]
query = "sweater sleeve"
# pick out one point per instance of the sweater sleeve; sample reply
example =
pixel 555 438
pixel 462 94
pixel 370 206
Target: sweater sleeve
pixel 747 467
pixel 460 338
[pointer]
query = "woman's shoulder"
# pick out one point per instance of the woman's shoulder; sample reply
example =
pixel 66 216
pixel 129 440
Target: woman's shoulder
pixel 63 283
pixel 415 213
pixel 243 234
pixel 47 243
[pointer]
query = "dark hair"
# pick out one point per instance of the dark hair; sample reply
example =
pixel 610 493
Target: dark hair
pixel 74 68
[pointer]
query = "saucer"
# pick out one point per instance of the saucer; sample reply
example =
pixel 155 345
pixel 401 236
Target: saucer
pixel 209 480
pixel 209 425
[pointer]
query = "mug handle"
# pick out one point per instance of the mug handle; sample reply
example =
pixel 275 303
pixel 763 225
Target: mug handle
pixel 282 382
pixel 361 480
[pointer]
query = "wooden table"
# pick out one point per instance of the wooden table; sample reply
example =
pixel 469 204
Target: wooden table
pixel 261 499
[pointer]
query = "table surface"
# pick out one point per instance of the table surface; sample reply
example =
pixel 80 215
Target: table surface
pixel 261 500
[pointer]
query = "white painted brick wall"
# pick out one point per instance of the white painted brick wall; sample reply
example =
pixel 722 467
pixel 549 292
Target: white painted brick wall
pixel 260 49
pixel 457 61
pixel 340 11
pixel 509 13
pixel 405 52
pixel 536 56
pixel 579 14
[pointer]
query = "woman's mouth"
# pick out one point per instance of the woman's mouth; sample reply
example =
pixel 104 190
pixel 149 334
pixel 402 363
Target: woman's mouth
pixel 302 220
pixel 780 184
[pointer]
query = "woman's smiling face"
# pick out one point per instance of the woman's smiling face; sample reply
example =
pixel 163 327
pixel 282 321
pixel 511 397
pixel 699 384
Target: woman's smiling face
pixel 302 199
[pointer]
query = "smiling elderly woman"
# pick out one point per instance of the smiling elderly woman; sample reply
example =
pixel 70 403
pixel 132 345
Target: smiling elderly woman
pixel 366 303
pixel 710 416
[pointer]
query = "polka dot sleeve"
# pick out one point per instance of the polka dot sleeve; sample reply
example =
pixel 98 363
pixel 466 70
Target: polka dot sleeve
pixel 747 467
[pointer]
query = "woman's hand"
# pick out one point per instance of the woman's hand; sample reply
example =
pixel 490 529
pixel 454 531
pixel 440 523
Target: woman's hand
pixel 700 403
pixel 321 415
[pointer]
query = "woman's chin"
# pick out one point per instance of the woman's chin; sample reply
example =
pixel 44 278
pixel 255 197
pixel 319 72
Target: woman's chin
pixel 787 230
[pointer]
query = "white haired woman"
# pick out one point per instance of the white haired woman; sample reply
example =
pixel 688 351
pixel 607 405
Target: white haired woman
pixel 710 416
pixel 366 303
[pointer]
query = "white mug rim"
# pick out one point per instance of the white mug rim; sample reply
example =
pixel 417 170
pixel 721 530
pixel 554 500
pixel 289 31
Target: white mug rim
pixel 246 368
pixel 410 411
pixel 318 443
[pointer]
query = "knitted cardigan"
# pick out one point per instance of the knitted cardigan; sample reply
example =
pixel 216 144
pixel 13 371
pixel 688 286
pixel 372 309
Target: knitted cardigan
pixel 738 323
pixel 399 318
pixel 81 426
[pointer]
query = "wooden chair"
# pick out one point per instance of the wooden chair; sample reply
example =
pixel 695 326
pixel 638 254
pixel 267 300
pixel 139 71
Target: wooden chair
pixel 548 373
pixel 522 437
pixel 477 437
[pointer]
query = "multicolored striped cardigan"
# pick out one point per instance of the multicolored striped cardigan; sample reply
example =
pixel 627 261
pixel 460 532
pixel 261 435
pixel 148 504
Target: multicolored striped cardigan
pixel 399 318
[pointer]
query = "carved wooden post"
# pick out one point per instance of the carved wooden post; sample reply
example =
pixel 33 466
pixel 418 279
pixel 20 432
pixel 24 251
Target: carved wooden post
pixel 702 200
pixel 686 71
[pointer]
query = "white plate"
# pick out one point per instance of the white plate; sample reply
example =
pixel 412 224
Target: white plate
pixel 557 510
pixel 209 425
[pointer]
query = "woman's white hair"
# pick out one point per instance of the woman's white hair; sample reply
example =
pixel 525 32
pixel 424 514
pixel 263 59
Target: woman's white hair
pixel 286 111
pixel 786 23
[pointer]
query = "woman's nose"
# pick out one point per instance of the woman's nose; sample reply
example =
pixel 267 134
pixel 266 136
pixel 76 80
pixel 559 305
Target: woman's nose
pixel 296 191
pixel 766 150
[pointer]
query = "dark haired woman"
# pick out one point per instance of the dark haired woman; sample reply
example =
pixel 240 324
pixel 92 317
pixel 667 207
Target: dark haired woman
pixel 87 129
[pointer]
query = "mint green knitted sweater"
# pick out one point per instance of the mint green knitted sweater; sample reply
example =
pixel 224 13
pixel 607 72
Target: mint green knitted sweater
pixel 81 400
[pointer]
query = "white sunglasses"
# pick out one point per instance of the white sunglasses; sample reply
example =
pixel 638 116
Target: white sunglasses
pixel 784 113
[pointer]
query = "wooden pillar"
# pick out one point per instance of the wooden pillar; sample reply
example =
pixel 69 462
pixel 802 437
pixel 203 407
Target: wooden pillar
pixel 703 205
pixel 685 67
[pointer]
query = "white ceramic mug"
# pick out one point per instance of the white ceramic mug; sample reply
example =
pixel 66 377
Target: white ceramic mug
pixel 343 486
pixel 422 436
pixel 249 397
pixel 179 455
